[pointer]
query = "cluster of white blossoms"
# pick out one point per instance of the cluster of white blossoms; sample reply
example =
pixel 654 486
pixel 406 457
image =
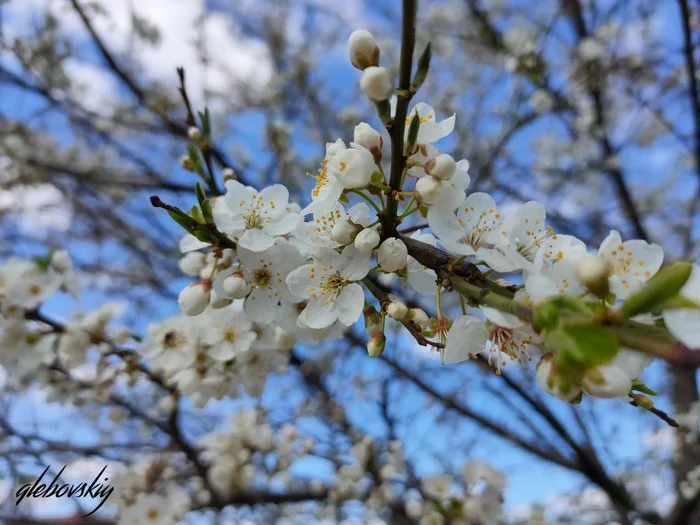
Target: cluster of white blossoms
pixel 273 274
pixel 302 270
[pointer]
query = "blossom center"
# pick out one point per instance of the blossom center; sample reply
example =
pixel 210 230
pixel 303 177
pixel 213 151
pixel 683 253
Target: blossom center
pixel 229 335
pixel 504 344
pixel 321 180
pixel 262 277
pixel 173 339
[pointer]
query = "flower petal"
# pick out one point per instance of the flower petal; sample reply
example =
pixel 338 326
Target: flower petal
pixel 351 301
pixel 467 337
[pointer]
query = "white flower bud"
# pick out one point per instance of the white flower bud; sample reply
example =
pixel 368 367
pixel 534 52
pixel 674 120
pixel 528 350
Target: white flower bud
pixel 235 286
pixel 194 298
pixel 192 263
pixel 419 317
pixel 441 167
pixel 392 255
pixel 396 310
pixel 428 190
pixel 375 346
pixel 607 381
pixel 194 133
pixel 363 49
pixel 593 271
pixel 229 174
pixel 344 232
pixel 218 302
pixel 550 381
pixel 353 166
pixel 367 240
pixel 368 137
pixel 375 83
pixel 60 261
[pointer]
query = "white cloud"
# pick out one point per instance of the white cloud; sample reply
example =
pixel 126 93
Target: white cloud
pixel 235 58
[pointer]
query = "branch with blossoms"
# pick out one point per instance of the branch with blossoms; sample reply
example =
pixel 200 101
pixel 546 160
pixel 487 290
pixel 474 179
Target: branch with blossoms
pixel 595 320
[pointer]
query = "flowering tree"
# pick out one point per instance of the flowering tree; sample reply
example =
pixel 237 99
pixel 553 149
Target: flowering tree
pixel 395 234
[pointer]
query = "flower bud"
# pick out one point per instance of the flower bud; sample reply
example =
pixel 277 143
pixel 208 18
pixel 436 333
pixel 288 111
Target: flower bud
pixel 427 190
pixel 441 167
pixel 375 346
pixel 353 166
pixel 344 232
pixel 367 240
pixel 60 261
pixel 396 310
pixel 363 49
pixel 375 83
pixel 593 271
pixel 229 174
pixel 216 301
pixel 369 138
pixel 194 298
pixel 373 320
pixel 235 286
pixel 192 263
pixel 186 163
pixel 392 255
pixel 606 381
pixel 419 317
pixel 553 383
pixel 194 133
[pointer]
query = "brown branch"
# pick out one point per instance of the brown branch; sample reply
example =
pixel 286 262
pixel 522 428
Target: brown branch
pixel 396 130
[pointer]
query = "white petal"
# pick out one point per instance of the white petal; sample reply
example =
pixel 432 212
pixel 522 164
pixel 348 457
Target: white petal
pixel 444 224
pixel 467 336
pixel 540 287
pixel 275 197
pixel 360 214
pixel 422 281
pixel 691 289
pixel 501 318
pixel 190 243
pixel 684 324
pixel 447 125
pixel 356 264
pixel 351 302
pixel 318 315
pixel 256 240
pixel 261 305
pixel 299 281
pixel 283 225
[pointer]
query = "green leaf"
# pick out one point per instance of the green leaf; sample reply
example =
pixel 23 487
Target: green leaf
pixel 186 222
pixel 377 178
pixel 384 111
pixel 201 194
pixel 639 385
pixel 664 286
pixel 422 69
pixel 196 214
pixel 583 344
pixel 206 123
pixel 43 262
pixel 413 132
pixel 545 316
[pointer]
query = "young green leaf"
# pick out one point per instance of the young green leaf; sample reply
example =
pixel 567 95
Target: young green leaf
pixel 664 286
pixel 422 69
